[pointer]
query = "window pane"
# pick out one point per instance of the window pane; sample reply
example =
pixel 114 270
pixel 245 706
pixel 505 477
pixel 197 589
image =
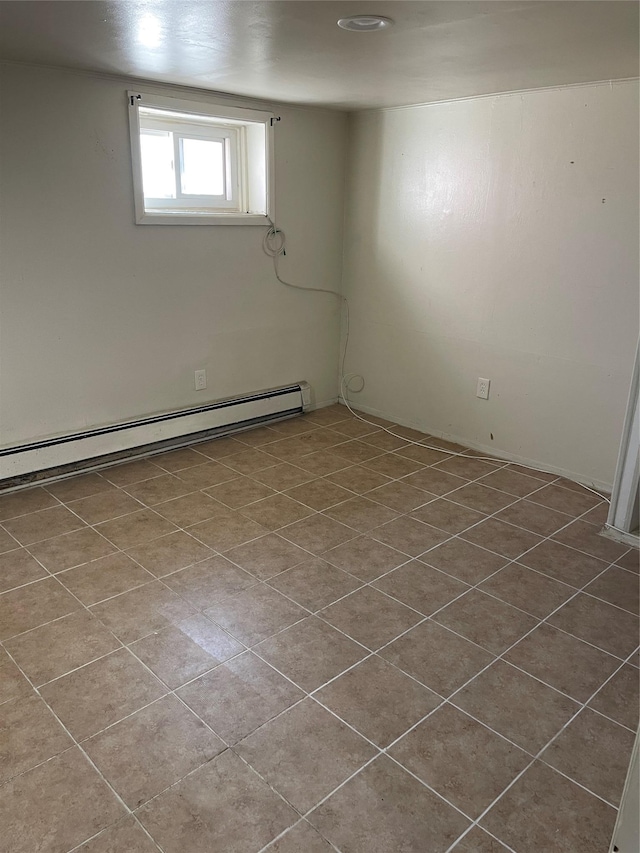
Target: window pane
pixel 202 171
pixel 158 179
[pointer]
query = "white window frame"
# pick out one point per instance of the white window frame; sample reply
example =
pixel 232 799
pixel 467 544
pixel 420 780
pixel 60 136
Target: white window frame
pixel 248 135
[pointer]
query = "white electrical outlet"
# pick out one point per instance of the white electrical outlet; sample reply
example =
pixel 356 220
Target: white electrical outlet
pixel 482 390
pixel 200 380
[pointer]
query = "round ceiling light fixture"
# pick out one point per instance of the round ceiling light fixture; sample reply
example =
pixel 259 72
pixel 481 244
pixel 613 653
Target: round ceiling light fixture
pixel 364 23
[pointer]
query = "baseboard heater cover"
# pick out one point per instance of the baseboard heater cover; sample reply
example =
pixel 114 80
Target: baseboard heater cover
pixel 232 413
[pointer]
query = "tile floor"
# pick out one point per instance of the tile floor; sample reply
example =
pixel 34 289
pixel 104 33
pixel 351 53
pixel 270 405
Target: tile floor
pixel 313 637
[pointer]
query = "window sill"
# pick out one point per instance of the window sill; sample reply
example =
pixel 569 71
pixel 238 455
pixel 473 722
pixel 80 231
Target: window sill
pixel 203 219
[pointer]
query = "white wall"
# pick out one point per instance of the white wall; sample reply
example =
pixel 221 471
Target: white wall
pixel 498 237
pixel 102 320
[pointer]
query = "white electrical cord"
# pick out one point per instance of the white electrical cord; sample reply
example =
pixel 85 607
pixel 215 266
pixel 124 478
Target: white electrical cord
pixel 273 245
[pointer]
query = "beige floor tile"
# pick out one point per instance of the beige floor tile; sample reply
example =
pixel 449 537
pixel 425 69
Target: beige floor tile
pixel 466 467
pixel 392 465
pixel 104 578
pixel 209 582
pixel 101 693
pixel 255 614
pixel 55 649
pixel 378 700
pixel 619 698
pixel 630 560
pixel 464 560
pixel 619 587
pixel 152 749
pixel 105 506
pixel 383 808
pixel 486 621
pixel 323 462
pixel 207 475
pixel 573 502
pixel 18 568
pixel 599 623
pixel 305 753
pixel 370 617
pixel 517 706
pixel 318 533
pixel 185 650
pixel 481 498
pixel 563 563
pixel 239 492
pixel 532 516
pixel 365 558
pixel 319 494
pixel 135 529
pixel 511 481
pixel 400 496
pixel 479 841
pixel 192 508
pixel 276 511
pixel 169 553
pixel 227 531
pixel 13 684
pixel 585 537
pixel 32 822
pixel 595 753
pixel 435 481
pixel 132 472
pixel 310 653
pixel 43 524
pixel 562 661
pixel 421 587
pixel 249 461
pixel 409 536
pixel 462 760
pixel 354 428
pixel 425 455
pixel 179 460
pixel 7 542
pixel 300 838
pixel 32 605
pixel 282 476
pixel 358 479
pixel 80 486
pixel 30 736
pixel 449 516
pixel 258 437
pixel 71 549
pixel 387 441
pixel 356 451
pixel 504 539
pixel 236 811
pixel 126 836
pixel 528 817
pixel 314 583
pixel 237 698
pixel 528 590
pixel 158 489
pixel 437 657
pixel 141 611
pixel 361 514
pixel 267 556
pixel 24 502
pixel 218 448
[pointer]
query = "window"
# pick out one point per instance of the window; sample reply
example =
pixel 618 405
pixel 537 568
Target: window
pixel 196 163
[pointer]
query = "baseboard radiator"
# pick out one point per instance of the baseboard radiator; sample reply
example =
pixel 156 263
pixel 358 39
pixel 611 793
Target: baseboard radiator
pixel 63 454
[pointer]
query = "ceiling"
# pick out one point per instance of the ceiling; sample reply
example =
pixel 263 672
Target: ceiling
pixel 292 50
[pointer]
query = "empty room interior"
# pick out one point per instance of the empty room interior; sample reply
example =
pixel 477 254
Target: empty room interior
pixel 351 570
